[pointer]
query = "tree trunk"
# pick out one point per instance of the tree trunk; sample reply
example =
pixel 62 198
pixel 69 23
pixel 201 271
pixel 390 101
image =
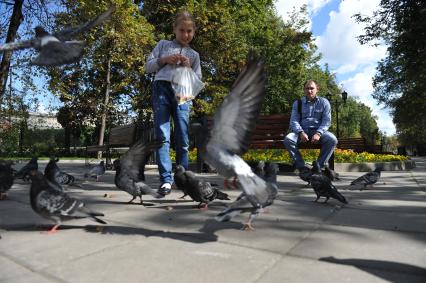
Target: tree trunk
pixel 15 22
pixel 105 108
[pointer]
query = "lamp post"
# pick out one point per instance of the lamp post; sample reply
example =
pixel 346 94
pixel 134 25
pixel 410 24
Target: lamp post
pixel 336 104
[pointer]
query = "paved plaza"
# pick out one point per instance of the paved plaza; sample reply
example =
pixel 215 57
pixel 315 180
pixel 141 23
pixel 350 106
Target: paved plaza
pixel 380 236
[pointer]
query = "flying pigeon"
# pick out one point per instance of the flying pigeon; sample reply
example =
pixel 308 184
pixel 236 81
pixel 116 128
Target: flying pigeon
pixel 6 177
pixel 56 175
pixel 58 48
pixel 244 202
pixel 234 123
pixel 129 170
pixel 367 179
pixel 96 171
pixel 199 190
pixel 24 172
pixel 322 185
pixel 52 204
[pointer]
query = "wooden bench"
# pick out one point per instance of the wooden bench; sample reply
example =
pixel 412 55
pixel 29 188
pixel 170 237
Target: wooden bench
pixel 121 136
pixel 270 132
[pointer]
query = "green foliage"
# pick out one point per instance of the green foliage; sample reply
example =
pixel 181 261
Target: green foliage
pixel 400 79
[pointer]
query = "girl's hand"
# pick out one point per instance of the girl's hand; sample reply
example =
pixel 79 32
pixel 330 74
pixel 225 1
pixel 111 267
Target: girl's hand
pixel 184 61
pixel 171 59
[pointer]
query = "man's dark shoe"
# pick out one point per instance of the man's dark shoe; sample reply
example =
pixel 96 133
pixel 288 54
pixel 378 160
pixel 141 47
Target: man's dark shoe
pixel 165 189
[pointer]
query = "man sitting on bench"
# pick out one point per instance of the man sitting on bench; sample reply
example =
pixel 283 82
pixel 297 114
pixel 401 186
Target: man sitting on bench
pixel 309 122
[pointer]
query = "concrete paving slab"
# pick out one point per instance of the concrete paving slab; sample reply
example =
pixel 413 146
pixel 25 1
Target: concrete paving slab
pixel 157 260
pixel 302 270
pixel 16 273
pixel 362 243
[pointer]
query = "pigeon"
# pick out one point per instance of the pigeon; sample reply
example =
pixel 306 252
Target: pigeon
pixel 305 174
pixel 129 169
pixel 55 175
pixel 244 202
pixel 58 48
pixel 199 190
pixel 96 171
pixel 331 174
pixel 367 179
pixel 322 185
pixel 52 204
pixel 6 177
pixel 234 123
pixel 24 172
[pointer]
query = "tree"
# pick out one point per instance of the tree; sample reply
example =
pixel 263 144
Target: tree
pixel 111 70
pixel 400 79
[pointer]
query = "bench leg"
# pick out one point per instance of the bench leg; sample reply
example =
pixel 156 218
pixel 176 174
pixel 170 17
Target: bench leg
pixel 199 162
pixel 331 161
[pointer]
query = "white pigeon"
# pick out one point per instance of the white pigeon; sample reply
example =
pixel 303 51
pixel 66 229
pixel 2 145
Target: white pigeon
pixel 58 48
pixel 234 123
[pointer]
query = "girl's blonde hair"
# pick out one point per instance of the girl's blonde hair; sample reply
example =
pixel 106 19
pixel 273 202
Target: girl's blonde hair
pixel 183 16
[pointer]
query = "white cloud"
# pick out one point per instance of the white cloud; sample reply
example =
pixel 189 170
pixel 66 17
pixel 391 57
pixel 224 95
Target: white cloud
pixel 360 86
pixel 339 44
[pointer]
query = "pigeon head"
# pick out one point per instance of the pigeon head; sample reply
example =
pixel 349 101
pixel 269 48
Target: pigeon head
pixel 40 31
pixel 179 169
pixel 102 163
pixel 378 169
pixel 271 169
pixel 117 165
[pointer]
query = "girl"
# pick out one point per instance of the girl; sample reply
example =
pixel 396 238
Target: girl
pixel 164 58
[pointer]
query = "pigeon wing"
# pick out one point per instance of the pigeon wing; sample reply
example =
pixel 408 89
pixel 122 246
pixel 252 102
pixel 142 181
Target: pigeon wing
pixel 136 157
pixel 19 45
pixel 235 119
pixel 69 33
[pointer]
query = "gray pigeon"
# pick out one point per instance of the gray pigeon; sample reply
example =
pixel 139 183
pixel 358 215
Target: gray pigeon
pixel 331 174
pixel 368 179
pixel 234 123
pixel 56 175
pixel 199 190
pixel 58 48
pixel 244 202
pixel 52 204
pixel 129 175
pixel 305 174
pixel 24 172
pixel 6 177
pixel 96 171
pixel 322 185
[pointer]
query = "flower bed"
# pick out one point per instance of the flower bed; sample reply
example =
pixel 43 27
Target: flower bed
pixel 281 155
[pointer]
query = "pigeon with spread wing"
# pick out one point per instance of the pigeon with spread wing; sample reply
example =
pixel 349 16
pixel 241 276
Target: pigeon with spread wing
pixel 129 170
pixel 234 123
pixel 58 48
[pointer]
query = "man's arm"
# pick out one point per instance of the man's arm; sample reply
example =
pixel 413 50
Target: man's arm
pixel 325 118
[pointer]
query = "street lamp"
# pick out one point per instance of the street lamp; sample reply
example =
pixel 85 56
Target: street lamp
pixel 337 104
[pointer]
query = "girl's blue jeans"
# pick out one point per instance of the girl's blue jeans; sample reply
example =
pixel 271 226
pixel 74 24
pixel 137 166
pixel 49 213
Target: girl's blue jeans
pixel 165 106
pixel 328 142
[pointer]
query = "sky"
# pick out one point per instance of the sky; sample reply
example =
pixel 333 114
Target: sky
pixel 335 32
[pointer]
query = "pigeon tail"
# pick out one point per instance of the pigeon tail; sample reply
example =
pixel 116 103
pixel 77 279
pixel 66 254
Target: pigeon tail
pixel 336 195
pixel 221 195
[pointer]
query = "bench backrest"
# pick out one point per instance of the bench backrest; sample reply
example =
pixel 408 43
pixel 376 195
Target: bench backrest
pixel 271 130
pixel 122 135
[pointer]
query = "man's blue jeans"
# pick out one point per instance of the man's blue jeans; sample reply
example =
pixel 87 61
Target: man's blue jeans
pixel 165 106
pixel 328 142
